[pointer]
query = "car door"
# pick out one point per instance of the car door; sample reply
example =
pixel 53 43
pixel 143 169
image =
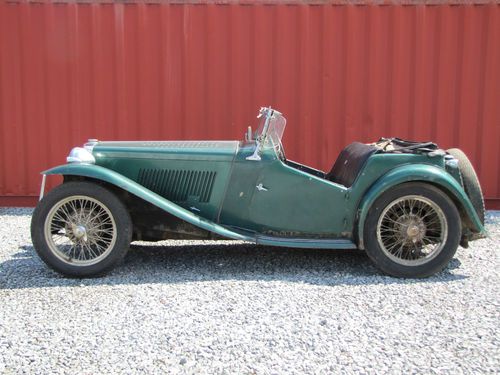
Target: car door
pixel 272 198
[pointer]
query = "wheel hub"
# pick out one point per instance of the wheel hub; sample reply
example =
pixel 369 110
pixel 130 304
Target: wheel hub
pixel 412 229
pixel 79 232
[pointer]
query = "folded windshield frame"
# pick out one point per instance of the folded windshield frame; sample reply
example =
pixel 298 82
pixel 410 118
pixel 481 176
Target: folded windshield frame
pixel 269 132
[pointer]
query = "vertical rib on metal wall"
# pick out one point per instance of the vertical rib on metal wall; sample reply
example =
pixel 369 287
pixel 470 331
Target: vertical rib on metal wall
pixel 72 71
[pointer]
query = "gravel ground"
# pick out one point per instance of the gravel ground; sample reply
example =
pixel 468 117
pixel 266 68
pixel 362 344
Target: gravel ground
pixel 229 307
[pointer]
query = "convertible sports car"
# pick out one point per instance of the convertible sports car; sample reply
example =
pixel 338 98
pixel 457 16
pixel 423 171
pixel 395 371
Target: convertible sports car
pixel 407 204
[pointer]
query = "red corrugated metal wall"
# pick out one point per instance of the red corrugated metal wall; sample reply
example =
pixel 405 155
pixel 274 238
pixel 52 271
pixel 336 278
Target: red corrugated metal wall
pixel 71 71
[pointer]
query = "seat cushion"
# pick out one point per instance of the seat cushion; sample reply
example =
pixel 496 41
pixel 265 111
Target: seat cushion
pixel 349 163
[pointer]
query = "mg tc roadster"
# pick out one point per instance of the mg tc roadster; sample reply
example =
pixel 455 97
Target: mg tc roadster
pixel 409 205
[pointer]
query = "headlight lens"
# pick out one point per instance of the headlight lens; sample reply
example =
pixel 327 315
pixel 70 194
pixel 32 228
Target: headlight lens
pixel 80 155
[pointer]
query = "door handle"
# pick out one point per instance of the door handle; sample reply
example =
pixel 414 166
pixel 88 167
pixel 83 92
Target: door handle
pixel 260 187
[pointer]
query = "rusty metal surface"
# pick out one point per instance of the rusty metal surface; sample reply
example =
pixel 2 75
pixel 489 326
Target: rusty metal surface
pixel 163 71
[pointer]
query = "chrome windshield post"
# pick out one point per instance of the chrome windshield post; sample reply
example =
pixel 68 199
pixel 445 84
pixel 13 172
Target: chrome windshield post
pixel 255 156
pixel 268 112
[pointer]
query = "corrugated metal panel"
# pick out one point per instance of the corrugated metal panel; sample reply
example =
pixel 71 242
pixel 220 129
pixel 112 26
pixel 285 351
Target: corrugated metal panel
pixel 76 70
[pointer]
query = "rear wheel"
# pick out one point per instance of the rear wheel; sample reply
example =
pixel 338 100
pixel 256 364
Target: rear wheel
pixel 81 229
pixel 412 230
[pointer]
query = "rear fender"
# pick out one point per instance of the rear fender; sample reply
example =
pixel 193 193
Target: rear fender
pixel 116 179
pixel 424 173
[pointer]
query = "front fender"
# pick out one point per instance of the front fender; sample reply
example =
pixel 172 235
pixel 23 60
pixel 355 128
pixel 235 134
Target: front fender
pixel 114 178
pixel 418 172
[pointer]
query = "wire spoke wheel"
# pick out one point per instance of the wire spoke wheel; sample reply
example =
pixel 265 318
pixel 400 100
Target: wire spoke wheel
pixel 80 230
pixel 412 230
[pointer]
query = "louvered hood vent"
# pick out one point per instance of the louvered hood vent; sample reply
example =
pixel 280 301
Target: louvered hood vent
pixel 179 185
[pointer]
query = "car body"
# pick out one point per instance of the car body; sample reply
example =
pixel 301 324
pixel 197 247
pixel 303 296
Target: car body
pixel 248 190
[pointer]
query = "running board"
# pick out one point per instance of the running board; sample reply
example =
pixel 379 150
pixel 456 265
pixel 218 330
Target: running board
pixel 306 243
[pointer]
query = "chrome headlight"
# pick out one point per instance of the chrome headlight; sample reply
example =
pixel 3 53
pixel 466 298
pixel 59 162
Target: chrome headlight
pixel 80 155
pixel 89 146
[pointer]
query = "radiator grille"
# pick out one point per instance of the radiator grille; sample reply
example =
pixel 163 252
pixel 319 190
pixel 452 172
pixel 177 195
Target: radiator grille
pixel 178 185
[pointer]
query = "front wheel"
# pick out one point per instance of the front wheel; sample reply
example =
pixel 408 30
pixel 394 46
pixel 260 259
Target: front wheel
pixel 81 229
pixel 412 230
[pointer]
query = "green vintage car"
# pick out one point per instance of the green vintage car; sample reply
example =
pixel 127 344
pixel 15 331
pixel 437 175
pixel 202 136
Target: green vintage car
pixel 407 204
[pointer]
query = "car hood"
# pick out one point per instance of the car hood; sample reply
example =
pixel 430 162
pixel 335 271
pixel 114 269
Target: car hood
pixel 202 150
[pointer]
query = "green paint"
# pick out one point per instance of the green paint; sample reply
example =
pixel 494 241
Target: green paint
pixel 103 174
pixel 424 173
pixel 214 186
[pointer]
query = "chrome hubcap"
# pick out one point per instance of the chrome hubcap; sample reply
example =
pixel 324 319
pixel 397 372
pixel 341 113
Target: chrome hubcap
pixel 412 230
pixel 80 230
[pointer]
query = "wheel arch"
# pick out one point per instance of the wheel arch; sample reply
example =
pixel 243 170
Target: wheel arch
pixel 428 174
pixel 117 181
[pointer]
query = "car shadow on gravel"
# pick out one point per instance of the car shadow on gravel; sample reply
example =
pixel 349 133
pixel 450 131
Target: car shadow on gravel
pixel 16 211
pixel 153 264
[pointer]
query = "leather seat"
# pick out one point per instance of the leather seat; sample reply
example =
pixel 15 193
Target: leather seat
pixel 349 163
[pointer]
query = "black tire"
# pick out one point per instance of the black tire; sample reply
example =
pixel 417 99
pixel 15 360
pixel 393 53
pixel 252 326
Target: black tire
pixel 432 215
pixel 471 182
pixel 107 225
